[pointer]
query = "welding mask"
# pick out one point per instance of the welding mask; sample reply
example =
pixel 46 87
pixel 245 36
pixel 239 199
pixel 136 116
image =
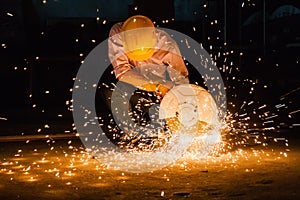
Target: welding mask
pixel 138 35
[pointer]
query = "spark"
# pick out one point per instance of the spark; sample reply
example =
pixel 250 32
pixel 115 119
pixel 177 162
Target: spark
pixel 273 116
pixel 279 105
pixel 263 106
pixel 293 112
pixel 287 94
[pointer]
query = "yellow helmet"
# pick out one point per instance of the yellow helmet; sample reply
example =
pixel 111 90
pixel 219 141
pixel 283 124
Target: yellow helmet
pixel 138 34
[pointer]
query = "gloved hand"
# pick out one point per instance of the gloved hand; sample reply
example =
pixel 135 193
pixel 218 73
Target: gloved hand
pixel 159 89
pixel 150 87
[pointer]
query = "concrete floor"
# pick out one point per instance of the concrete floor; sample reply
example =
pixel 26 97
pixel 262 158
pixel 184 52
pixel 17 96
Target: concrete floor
pixel 60 169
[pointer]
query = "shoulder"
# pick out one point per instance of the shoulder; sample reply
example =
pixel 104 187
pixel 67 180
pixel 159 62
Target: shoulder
pixel 164 38
pixel 165 41
pixel 115 29
pixel 162 34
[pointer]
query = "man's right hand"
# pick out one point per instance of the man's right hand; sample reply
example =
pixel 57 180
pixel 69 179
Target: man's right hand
pixel 159 89
pixel 150 87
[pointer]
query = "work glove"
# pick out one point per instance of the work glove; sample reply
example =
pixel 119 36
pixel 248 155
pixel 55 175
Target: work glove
pixel 159 89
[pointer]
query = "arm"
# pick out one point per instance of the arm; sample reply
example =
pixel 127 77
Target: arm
pixel 176 67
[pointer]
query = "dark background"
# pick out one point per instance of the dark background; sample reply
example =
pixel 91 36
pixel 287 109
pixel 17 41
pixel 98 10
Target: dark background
pixel 44 42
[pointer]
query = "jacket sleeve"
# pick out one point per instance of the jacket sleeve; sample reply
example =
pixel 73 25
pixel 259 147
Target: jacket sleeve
pixel 116 52
pixel 177 69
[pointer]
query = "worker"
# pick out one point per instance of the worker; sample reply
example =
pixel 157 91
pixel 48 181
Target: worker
pixel 136 43
pixel 146 60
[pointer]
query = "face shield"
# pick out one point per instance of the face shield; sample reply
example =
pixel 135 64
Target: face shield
pixel 138 34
